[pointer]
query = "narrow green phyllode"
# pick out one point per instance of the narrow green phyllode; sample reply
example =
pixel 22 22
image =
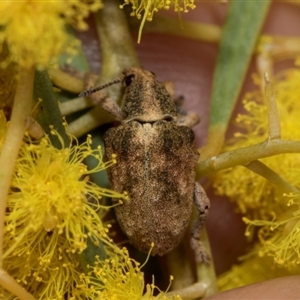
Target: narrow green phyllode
pixel 240 33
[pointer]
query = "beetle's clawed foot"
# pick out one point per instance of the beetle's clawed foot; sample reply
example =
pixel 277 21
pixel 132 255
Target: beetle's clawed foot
pixel 201 254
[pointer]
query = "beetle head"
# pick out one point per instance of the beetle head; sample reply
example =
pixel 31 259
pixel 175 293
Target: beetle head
pixel 145 98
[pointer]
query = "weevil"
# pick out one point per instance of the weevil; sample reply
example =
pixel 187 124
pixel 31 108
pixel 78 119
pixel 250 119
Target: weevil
pixel 156 159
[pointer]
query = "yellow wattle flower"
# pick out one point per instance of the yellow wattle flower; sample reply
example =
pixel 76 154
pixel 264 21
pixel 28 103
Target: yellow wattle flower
pixel 276 215
pixel 280 236
pixel 35 31
pixel 52 210
pixel 254 195
pixel 254 269
pixel 123 279
pixel 149 7
pixel 146 8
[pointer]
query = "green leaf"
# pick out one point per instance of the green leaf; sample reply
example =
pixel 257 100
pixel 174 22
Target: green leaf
pixel 87 257
pixel 47 112
pixel 239 37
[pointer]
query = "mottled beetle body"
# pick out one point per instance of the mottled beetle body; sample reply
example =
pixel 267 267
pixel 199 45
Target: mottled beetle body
pixel 161 197
pixel 156 160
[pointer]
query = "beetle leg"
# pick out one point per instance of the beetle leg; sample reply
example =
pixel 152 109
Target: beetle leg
pixel 188 119
pixel 169 87
pixel 100 98
pixel 184 118
pixel 108 104
pixel 202 203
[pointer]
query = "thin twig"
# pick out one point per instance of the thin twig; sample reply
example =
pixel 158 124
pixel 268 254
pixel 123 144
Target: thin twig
pixel 206 273
pixel 66 81
pixel 89 121
pixel 273 116
pixel 13 140
pixel 194 291
pixel 189 29
pixel 74 105
pixel 179 266
pixel 7 282
pixel 244 156
pixel 261 169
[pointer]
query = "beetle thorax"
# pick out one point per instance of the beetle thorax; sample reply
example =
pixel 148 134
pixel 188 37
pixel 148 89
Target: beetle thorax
pixel 147 100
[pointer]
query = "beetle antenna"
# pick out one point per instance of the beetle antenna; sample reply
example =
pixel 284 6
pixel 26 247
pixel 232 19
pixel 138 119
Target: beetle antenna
pixel 88 92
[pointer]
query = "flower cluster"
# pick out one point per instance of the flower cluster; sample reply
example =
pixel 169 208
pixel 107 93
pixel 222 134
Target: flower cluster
pixel 254 269
pixel 35 31
pixel 123 279
pixel 149 7
pixel 252 193
pixel 277 214
pixel 52 211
